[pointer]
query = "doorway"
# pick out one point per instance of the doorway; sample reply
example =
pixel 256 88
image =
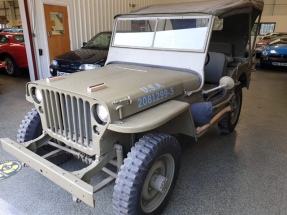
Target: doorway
pixel 57 27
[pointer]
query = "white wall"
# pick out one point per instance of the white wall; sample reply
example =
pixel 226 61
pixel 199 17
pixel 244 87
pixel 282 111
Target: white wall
pixel 275 8
pixel 281 22
pixel 93 16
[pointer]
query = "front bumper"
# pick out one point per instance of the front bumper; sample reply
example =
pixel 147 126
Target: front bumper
pixel 77 187
pixel 274 61
pixel 54 70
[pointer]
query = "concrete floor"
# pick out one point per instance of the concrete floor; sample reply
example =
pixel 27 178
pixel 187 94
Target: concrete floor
pixel 242 173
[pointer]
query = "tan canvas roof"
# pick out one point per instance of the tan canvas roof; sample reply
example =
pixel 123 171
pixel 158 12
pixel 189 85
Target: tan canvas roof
pixel 219 8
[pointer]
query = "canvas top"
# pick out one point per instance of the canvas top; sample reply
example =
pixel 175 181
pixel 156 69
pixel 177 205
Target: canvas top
pixel 220 8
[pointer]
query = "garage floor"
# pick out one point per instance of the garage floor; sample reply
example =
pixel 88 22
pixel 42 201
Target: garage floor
pixel 241 173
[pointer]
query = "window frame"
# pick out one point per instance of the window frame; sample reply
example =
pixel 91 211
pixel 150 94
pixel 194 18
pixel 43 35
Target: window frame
pixel 256 25
pixel 157 20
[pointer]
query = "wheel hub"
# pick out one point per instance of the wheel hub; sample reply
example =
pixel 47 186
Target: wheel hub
pixel 158 182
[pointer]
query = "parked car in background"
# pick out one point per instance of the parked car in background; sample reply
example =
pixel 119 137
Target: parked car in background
pixel 266 40
pixel 91 56
pixel 275 53
pixel 13 52
pixel 15 30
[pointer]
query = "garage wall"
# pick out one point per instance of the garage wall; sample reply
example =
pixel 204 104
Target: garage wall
pixel 88 17
pixel 281 22
pixel 94 16
pixel 275 8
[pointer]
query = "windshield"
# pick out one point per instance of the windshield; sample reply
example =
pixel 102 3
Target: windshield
pixel 20 38
pixel 101 40
pixel 188 33
pixel 279 41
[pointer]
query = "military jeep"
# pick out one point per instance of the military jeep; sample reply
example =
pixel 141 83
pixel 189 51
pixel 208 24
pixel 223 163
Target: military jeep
pixel 171 69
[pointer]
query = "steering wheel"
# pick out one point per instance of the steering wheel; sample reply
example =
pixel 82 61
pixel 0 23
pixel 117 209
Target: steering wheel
pixel 207 59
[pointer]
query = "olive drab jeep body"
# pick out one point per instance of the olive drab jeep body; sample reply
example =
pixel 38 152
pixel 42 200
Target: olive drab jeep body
pixel 171 69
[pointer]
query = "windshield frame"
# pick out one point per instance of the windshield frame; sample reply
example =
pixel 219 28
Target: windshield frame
pixel 155 32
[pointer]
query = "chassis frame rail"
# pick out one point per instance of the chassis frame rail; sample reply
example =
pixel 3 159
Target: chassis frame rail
pixel 77 187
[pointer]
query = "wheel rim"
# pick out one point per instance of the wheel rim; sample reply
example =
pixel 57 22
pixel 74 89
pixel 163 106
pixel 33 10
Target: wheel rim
pixel 236 108
pixel 152 198
pixel 9 66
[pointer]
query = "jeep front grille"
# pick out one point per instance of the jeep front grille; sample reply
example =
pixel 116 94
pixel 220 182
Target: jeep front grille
pixel 68 117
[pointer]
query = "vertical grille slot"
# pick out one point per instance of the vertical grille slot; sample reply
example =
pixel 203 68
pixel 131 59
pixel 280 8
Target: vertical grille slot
pixel 88 125
pixel 64 114
pixel 75 118
pixel 69 113
pixel 81 119
pixel 59 117
pixel 69 117
pixel 54 111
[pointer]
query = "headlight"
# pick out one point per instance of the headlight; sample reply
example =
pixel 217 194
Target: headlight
pixel 54 63
pixel 37 95
pixel 102 113
pixel 265 53
pixel 89 66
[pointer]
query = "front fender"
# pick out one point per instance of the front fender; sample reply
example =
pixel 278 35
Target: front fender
pixel 154 117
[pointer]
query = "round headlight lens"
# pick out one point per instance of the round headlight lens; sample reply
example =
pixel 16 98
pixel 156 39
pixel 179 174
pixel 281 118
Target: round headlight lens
pixel 54 62
pixel 265 53
pixel 102 113
pixel 38 95
pixel 89 66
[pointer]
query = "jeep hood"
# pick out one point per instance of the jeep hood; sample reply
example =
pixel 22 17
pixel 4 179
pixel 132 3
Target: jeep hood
pixel 130 87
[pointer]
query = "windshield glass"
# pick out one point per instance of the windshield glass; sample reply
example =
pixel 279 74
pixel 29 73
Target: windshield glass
pixel 188 33
pixel 279 41
pixel 101 40
pixel 20 38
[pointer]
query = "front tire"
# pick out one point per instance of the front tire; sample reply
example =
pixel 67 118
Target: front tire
pixel 229 122
pixel 155 157
pixel 30 127
pixel 11 67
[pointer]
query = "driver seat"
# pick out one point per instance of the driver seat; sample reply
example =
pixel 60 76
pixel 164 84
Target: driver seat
pixel 216 68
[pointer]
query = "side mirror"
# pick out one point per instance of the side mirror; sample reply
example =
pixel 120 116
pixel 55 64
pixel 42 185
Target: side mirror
pixel 226 82
pixel 84 43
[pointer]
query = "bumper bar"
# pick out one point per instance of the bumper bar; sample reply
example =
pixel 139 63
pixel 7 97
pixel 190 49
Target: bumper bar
pixel 64 179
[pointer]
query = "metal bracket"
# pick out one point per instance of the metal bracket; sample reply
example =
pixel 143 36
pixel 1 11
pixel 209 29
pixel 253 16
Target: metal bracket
pixel 120 103
pixel 127 100
pixel 38 142
pixel 87 173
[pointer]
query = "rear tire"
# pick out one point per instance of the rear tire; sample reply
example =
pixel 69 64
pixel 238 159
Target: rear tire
pixel 152 157
pixel 229 122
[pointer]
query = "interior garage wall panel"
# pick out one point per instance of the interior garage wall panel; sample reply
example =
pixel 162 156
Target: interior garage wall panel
pixel 275 8
pixel 93 16
pixel 280 21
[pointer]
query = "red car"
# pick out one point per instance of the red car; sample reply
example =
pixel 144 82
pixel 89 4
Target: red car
pixel 13 52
